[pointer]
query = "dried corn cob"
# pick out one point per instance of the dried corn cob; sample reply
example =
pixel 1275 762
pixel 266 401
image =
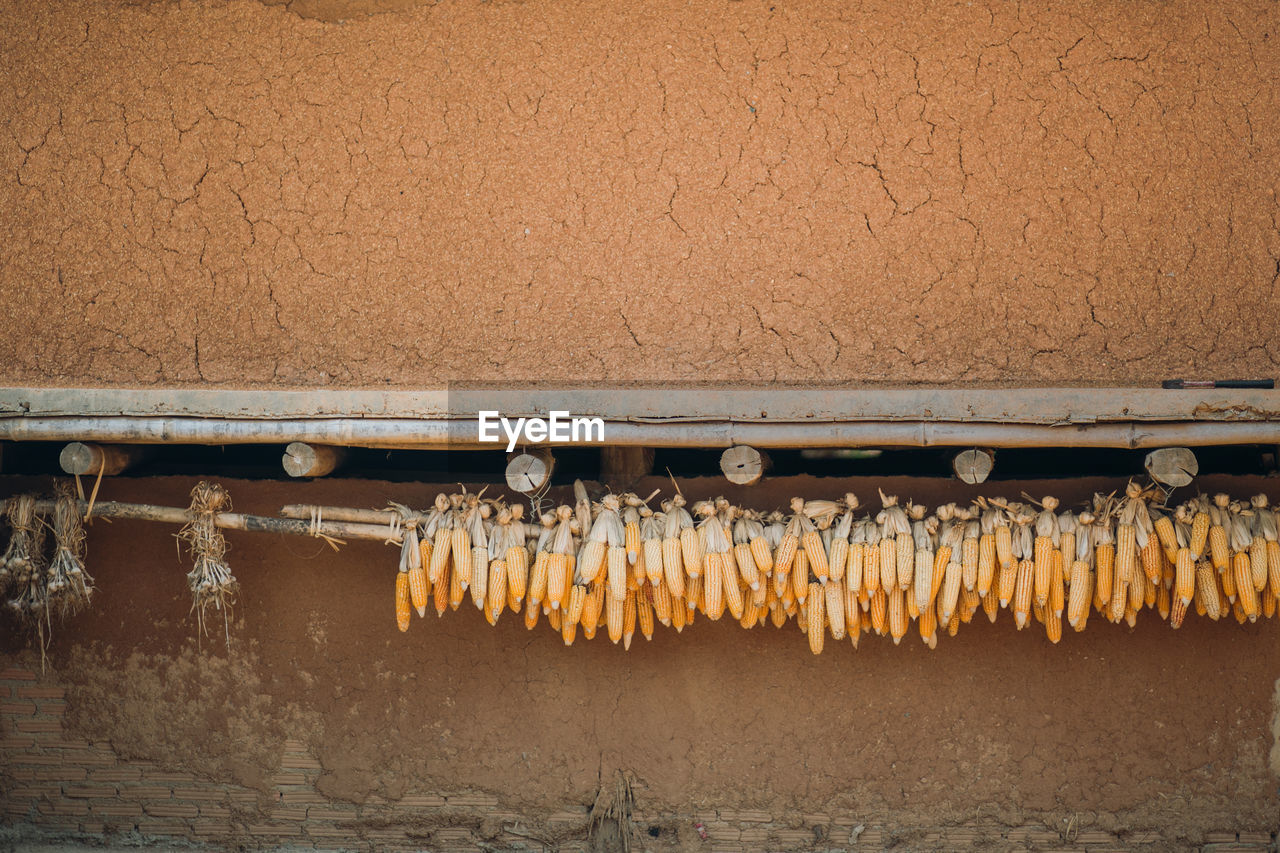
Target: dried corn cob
pixel 402 601
pixel 1047 540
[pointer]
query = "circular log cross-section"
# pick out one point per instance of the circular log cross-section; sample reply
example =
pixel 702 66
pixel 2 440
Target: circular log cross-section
pixel 743 465
pixel 973 466
pixel 88 459
pixel 311 460
pixel 531 470
pixel 1172 466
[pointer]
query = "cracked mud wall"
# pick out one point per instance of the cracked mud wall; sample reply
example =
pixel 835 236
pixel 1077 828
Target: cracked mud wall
pixel 1119 730
pixel 922 192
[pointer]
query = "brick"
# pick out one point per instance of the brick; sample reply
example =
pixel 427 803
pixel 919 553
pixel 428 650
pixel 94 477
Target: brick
pixel 32 792
pixel 40 693
pixel 794 838
pixel 210 795
pixel 22 774
pixel 96 759
pixel 115 808
pixel 92 827
pixel 161 826
pixel 211 827
pixel 328 830
pixel 64 807
pixel 247 798
pixel 300 762
pixel 115 774
pixel 215 810
pixel 273 830
pixel 422 801
pixel 1255 838
pixel 1094 836
pixel 329 814
pixel 61 774
pixel 1220 838
pixel 52 709
pixel 283 780
pixel 304 797
pixel 90 791
pixel 166 777
pixel 754 817
pixel 61 742
pixel 172 810
pixel 294 814
pixel 28 708
pixel 145 792
pixel 37 726
pixel 15 674
pixel 14 741
pixel 294 745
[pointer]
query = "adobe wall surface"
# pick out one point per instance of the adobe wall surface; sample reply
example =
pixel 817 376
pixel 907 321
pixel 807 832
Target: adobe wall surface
pixel 923 192
pixel 325 725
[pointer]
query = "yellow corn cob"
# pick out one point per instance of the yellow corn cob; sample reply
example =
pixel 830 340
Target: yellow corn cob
pixel 1273 565
pixel 800 576
pixel 496 589
pixel 906 554
pixel 987 562
pixel 811 542
pixel 439 556
pixel 1043 566
pixel 531 613
pixel 1126 552
pixel 1105 556
pixel 888 563
pixel 440 591
pixel 928 626
pixel 673 566
pixel 402 601
pixel 1258 562
pixel 760 552
pixel 631 541
pixel 513 603
pixel 1004 545
pixel 870 567
pixel 517 572
pixel 1007 583
pixel 969 549
pixel 1269 603
pixel 1245 592
pixel 538 577
pixel 662 603
pixel 456 590
pixel 617 572
pixel 746 565
pixel 653 565
pixel 1119 595
pixel 833 592
pixel 558 577
pixel 897 615
pixel 1218 550
pixel 838 560
pixel 1168 539
pixel 1152 560
pixel 460 548
pixel 577 598
pixel 970 601
pixel 615 613
pixel 691 552
pixel 1081 592
pixel 568 631
pixel 732 590
pixel 1200 533
pixel 952 576
pixel 1057 593
pixel 425 551
pixel 816 616
pixel 1177 612
pixel 592 561
pixel 629 618
pixel 1228 580
pixel 644 615
pixel 787 549
pixel 941 560
pixel 713 586
pixel 1163 601
pixel 1053 623
pixel 480 576
pixel 878 611
pixel 853 567
pixel 1184 581
pixel 553 618
pixel 419 589
pixel 1025 581
pixel 991 603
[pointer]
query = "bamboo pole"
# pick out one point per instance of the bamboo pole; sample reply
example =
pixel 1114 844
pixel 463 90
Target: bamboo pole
pixel 348 514
pixel 232 520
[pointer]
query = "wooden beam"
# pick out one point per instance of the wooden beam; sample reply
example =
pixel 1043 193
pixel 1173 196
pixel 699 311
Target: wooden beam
pixel 311 460
pixel 743 465
pixel 83 458
pixel 1172 466
pixel 530 470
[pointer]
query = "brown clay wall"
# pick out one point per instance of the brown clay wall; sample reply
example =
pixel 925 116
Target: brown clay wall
pixel 325 725
pixel 902 192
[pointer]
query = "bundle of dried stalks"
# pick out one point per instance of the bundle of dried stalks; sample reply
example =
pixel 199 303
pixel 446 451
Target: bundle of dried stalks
pixel 211 581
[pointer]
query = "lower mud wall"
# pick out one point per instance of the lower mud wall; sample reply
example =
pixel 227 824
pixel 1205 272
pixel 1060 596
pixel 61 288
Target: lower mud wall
pixel 322 725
